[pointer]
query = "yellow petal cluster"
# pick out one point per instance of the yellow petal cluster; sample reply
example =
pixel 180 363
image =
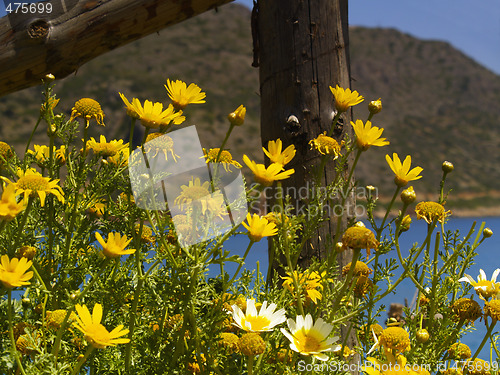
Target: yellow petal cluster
pixel 32 184
pixel 95 333
pixel 115 245
pixel 344 99
pixel 276 155
pixel 368 135
pixel 182 94
pixel 259 227
pixel 266 176
pixel 13 271
pixel 402 170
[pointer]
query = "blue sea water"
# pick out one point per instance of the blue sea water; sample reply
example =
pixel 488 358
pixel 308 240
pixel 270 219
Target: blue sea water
pixel 488 259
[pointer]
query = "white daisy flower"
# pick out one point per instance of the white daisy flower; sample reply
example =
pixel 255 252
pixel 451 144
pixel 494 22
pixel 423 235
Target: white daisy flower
pixel 484 287
pixel 263 320
pixel 311 339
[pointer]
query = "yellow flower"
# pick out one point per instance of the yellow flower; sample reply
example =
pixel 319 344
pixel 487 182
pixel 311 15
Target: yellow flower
pixel 42 154
pixel 115 245
pixel 251 344
pixel 27 252
pixel 310 339
pixel 393 338
pixel 237 118
pixel 32 183
pixel 88 109
pixel 263 320
pixel 405 223
pixel 147 235
pixel 25 345
pixel 50 104
pixel 402 170
pixel 225 158
pixel 230 342
pixel 95 333
pixel 55 318
pixel 326 145
pixel 182 95
pixel 368 135
pixel 9 208
pixel 478 367
pixel 430 211
pixel 360 269
pixel 13 272
pixel 132 108
pixel 153 116
pixel 458 351
pixel 393 366
pixel 310 283
pixel 195 191
pixel 345 98
pixel 484 288
pixel 120 159
pixel 266 176
pixel 5 153
pixel 259 227
pixel 98 209
pixel 492 309
pixel 104 148
pixel 357 237
pixel 276 156
pixel 466 309
pixel 156 142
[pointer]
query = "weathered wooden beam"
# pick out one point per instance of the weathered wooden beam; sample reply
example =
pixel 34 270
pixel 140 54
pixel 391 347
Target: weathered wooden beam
pixel 74 32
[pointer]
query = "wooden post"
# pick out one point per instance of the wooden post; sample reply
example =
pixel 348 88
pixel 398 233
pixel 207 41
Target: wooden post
pixel 61 40
pixel 302 50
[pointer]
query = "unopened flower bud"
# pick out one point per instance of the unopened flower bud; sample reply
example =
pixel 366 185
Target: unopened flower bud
pixel 51 129
pixel 487 232
pixel 447 167
pixel 408 195
pixel 422 335
pixel 49 77
pixel 375 106
pixel 339 247
pixel 405 223
pixel 27 252
pixel 238 116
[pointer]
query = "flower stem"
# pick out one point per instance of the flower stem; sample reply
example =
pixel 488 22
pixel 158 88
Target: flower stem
pixel 22 224
pixel 486 337
pixel 224 142
pixel 239 266
pixel 250 365
pixel 381 228
pixel 11 333
pixel 83 360
pixel 133 312
pixel 32 134
pixel 350 274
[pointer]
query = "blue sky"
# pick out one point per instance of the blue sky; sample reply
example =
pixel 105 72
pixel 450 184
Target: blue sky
pixel 472 27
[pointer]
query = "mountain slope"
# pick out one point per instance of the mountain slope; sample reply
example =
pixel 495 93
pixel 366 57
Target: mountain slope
pixel 438 103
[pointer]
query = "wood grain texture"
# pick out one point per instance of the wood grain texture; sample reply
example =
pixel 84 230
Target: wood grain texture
pixel 32 45
pixel 303 51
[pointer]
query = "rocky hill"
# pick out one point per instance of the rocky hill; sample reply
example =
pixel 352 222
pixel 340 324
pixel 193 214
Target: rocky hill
pixel 438 103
